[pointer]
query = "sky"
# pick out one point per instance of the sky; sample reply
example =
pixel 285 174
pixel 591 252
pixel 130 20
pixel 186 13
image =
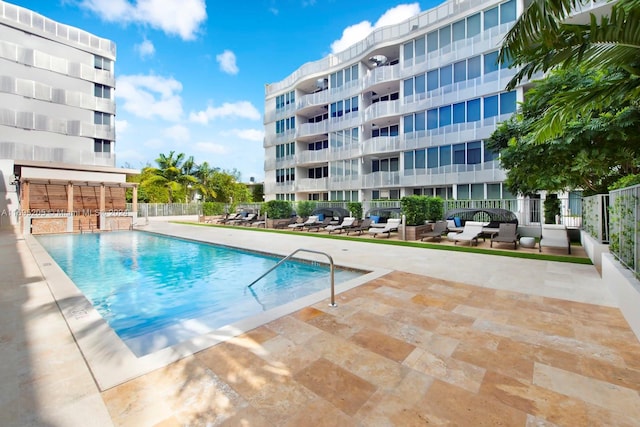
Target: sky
pixel 190 74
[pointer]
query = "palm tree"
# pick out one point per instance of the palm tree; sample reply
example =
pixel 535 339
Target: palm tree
pixel 174 173
pixel 205 173
pixel 547 36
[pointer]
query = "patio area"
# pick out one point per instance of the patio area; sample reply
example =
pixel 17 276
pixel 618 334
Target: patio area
pixel 442 338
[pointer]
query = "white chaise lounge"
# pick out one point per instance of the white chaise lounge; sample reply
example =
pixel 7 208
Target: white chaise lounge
pixel 554 236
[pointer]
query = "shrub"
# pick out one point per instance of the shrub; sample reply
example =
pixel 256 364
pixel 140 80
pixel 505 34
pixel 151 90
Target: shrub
pixel 278 209
pixel 414 208
pixel 435 208
pixel 305 207
pixel 212 208
pixel 355 208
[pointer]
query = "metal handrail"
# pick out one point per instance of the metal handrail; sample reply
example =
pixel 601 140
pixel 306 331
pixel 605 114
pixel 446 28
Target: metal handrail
pixel 333 294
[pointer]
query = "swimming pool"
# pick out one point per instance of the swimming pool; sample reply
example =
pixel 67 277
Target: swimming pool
pixel 155 291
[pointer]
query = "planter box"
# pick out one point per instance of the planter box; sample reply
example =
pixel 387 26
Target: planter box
pixel 413 232
pixel 277 223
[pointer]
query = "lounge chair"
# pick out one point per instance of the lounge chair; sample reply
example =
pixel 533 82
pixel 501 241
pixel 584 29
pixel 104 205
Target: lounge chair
pixel 507 233
pixel 436 232
pixel 470 233
pixel 230 217
pixel 392 224
pixel 318 225
pixel 248 220
pixel 554 236
pixel 300 225
pixel 360 228
pixel 284 223
pixel 346 223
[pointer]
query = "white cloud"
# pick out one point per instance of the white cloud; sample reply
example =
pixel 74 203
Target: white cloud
pixel 247 134
pixel 177 133
pixel 174 17
pixel 121 126
pixel 227 61
pixel 243 109
pixel 154 143
pixel 145 49
pixel 150 96
pixel 357 32
pixel 211 147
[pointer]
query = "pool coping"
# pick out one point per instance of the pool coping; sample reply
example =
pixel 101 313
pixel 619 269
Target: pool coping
pixel 109 359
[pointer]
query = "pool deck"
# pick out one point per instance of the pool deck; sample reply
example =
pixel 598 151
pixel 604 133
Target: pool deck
pixel 439 338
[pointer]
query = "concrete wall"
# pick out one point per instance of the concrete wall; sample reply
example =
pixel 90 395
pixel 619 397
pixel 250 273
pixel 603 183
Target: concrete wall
pixel 625 288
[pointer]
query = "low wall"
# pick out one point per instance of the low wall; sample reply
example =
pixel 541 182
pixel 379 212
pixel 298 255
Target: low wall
pixel 594 249
pixel 625 289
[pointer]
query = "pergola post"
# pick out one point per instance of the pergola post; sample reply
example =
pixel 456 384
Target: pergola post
pixel 70 206
pixel 103 215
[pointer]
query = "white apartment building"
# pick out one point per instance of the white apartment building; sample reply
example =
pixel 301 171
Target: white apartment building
pixel 57 111
pixel 405 111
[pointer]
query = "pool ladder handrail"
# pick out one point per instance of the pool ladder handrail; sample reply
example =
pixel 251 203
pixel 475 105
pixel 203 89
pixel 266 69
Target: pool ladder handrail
pixel 333 293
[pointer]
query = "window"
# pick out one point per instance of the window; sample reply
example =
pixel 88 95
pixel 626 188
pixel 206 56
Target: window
pixel 490 18
pixel 408 160
pixel 432 41
pixel 420 159
pixel 419 49
pixel 445 155
pixel 463 191
pixel 473 110
pixel 459 31
pixel 489 155
pixel 491 62
pixel 507 102
pixel 408 124
pixel 101 91
pixel 420 84
pixel 432 80
pixel 493 191
pixel 474 152
pixel 490 106
pixel 432 118
pixel 420 121
pixel 100 118
pixel 101 146
pixel 459 115
pixel 100 63
pixel 473 25
pixel 432 157
pixel 459 71
pixel 446 75
pixel 477 191
pixel 508 11
pixel 459 154
pixel 408 51
pixel 445 116
pixel 445 36
pixel 474 67
pixel 408 87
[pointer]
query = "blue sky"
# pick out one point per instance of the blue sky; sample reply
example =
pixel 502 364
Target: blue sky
pixel 190 74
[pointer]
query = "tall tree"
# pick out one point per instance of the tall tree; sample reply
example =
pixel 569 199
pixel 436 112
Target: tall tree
pixel 592 152
pixel 547 36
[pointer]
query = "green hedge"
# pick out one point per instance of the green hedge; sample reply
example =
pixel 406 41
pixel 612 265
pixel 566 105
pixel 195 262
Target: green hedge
pixel 278 209
pixel 418 209
pixel 212 208
pixel 356 209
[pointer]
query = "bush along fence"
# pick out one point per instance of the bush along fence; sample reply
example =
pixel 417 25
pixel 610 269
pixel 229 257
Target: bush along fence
pixel 624 226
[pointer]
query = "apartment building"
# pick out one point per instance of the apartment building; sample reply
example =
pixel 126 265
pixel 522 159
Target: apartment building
pixel 405 111
pixel 57 111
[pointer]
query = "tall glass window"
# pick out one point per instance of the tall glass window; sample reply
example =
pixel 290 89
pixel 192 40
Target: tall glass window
pixel 419 49
pixel 432 157
pixel 507 102
pixel 445 115
pixel 420 121
pixel 491 62
pixel 408 87
pixel 445 75
pixel 408 51
pixel 420 159
pixel 490 18
pixel 490 106
pixel 408 124
pixel 463 191
pixel 473 110
pixel 459 115
pixel 445 155
pixel 459 71
pixel 474 67
pixel 432 41
pixel 432 118
pixel 508 11
pixel 408 160
pixel 473 25
pixel 459 31
pixel 420 83
pixel 432 80
pixel 474 153
pixel 489 155
pixel 445 36
pixel 458 154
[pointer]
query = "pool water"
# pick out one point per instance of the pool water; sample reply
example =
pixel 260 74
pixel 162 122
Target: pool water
pixel 144 284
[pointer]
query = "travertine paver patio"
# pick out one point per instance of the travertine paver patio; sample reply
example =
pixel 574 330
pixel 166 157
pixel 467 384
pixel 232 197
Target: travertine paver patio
pixel 405 350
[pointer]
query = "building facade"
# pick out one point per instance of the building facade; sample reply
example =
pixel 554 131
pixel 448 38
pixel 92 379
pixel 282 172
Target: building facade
pixel 405 111
pixel 57 116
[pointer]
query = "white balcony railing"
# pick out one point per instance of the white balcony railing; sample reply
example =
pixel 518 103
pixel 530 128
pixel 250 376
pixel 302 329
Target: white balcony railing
pixel 22 151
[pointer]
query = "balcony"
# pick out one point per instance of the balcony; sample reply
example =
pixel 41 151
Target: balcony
pixel 311 156
pixel 381 179
pixel 454 174
pixel 344 183
pixel 382 109
pixel 381 75
pixel 22 151
pixel 313 100
pixel 311 184
pixel 382 144
pixel 309 129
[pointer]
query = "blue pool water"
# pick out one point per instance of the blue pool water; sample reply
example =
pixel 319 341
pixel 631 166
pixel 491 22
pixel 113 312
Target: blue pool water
pixel 143 283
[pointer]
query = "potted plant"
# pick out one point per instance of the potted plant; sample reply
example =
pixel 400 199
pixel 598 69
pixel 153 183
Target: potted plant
pixel 414 209
pixel 356 209
pixel 277 211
